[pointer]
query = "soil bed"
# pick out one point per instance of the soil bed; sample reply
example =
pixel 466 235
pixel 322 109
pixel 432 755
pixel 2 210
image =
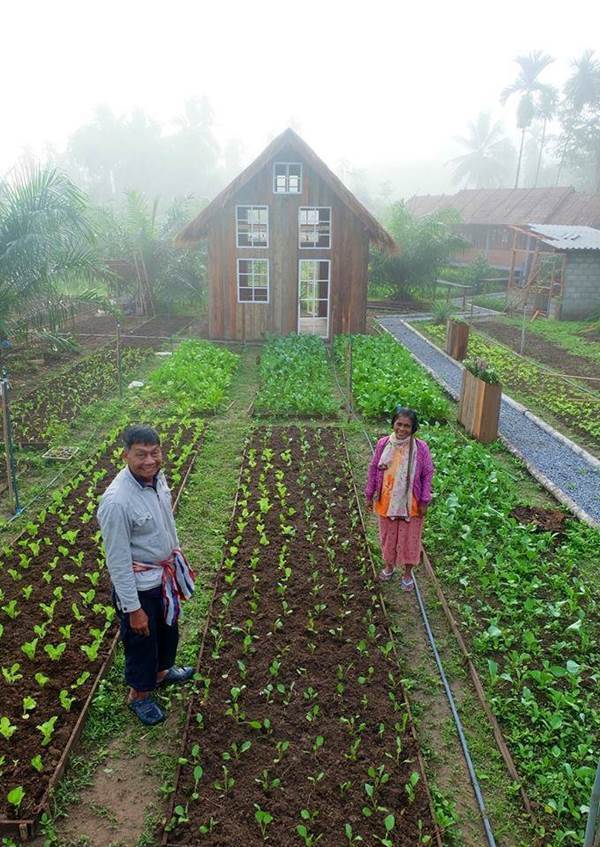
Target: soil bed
pixel 298 668
pixel 156 332
pixel 58 561
pixel 106 325
pixel 61 397
pixel 545 520
pixel 536 347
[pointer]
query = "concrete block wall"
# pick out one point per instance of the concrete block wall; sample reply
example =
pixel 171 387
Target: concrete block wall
pixel 581 295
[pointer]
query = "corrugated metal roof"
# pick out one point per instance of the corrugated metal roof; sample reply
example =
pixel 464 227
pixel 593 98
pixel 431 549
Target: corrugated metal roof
pixel 568 238
pixel 516 206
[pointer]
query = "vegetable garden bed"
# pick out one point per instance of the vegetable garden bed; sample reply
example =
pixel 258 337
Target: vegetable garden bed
pixel 551 354
pixel 300 733
pixel 58 400
pixel 527 603
pixel 542 391
pixel 296 379
pixel 57 628
pixel 385 374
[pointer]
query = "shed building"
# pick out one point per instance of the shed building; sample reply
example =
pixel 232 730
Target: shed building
pixel 562 275
pixel 288 248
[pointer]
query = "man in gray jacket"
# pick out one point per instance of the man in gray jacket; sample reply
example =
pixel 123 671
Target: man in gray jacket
pixel 150 575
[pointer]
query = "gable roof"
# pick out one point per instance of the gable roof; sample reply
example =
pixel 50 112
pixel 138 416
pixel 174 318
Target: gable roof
pixel 198 228
pixel 517 206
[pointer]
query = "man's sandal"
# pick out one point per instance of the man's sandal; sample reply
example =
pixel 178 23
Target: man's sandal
pixel 148 712
pixel 177 675
pixel 384 575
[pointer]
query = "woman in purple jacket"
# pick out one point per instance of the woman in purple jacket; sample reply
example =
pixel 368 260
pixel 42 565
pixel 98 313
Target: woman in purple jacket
pixel 398 490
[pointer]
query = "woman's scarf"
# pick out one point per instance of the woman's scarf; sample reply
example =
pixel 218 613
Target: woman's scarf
pixel 401 497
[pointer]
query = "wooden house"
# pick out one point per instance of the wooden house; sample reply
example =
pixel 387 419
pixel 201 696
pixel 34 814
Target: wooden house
pixel 288 248
pixel 489 214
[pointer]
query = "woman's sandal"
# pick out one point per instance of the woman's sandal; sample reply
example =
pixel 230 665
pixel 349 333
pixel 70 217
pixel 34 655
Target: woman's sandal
pixel 407 584
pixel 384 575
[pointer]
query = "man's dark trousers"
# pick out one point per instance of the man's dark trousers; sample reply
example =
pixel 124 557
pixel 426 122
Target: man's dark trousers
pixel 147 655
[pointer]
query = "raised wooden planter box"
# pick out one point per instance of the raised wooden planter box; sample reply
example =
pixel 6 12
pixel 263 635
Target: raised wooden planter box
pixel 479 407
pixel 457 339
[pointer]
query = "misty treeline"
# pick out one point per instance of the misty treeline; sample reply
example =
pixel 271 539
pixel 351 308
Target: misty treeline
pixel 94 225
pixel 559 131
pixel 60 254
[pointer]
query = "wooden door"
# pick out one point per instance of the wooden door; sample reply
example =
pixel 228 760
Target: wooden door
pixel 314 276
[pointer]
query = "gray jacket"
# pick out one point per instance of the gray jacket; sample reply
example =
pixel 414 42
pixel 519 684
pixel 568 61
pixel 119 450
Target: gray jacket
pixel 137 524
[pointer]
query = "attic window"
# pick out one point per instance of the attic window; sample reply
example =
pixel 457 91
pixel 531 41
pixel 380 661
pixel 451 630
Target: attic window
pixel 287 178
pixel 314 227
pixel 252 226
pixel 253 280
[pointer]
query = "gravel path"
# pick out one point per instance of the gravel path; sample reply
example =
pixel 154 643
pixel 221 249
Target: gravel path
pixel 575 476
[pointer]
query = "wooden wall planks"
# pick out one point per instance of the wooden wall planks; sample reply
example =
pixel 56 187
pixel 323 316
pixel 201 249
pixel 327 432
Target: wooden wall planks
pixel 349 255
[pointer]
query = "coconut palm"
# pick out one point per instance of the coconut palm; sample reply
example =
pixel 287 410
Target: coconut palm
pixel 45 239
pixel 489 155
pixel 527 85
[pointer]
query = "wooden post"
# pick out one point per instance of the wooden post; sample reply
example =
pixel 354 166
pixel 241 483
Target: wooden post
pixel 11 477
pixel 512 262
pixel 119 365
pixel 349 371
pixel 3 389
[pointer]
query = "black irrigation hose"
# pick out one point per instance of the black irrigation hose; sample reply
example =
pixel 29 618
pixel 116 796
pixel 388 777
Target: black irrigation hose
pixel 459 728
pixel 448 691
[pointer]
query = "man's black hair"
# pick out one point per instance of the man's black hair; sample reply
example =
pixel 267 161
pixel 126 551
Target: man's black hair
pixel 140 434
pixel 406 413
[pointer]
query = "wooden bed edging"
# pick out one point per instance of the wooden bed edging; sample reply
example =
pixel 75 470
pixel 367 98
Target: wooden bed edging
pixel 437 831
pixel 26 829
pixel 498 736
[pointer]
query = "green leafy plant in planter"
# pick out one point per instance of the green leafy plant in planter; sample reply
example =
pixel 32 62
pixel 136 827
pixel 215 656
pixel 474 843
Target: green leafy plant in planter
pixel 482 370
pixel 441 312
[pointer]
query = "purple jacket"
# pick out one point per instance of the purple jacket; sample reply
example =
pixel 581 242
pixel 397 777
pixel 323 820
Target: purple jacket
pixel 423 472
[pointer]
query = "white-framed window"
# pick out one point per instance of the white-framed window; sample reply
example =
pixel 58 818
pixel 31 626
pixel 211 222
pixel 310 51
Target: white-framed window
pixel 314 227
pixel 287 178
pixel 252 226
pixel 253 280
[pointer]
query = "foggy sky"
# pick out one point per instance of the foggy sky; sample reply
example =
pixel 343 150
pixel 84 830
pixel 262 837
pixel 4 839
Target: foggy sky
pixel 372 82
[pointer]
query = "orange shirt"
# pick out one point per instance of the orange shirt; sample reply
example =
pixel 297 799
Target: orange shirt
pixel 382 505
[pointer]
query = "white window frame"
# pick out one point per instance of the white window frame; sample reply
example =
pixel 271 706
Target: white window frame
pixel 253 286
pixel 302 246
pixel 237 231
pixel 287 177
pixel 313 261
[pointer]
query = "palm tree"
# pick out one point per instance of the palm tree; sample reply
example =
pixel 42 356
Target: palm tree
pixel 583 86
pixel 45 239
pixel 546 106
pixel 487 161
pixel 526 85
pixel 581 95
